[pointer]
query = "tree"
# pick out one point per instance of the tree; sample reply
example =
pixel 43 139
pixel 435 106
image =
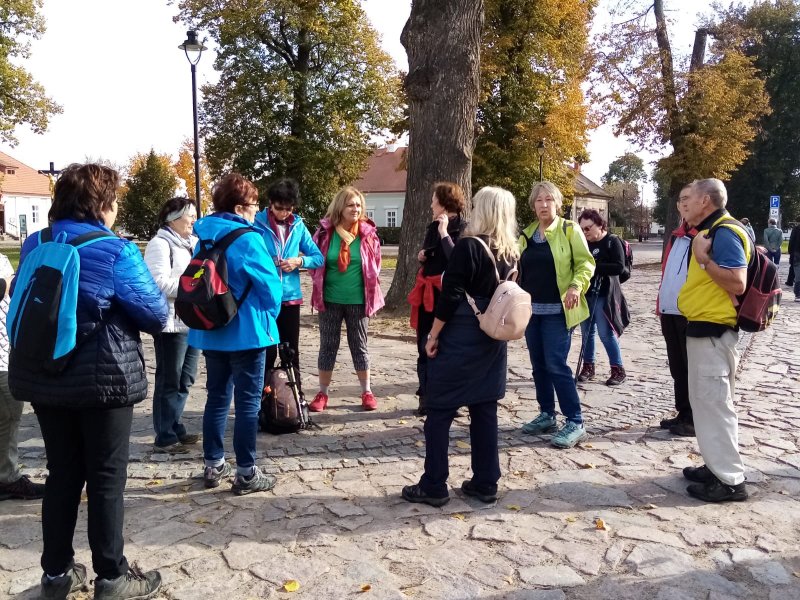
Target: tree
pixel 303 88
pixel 184 169
pixel 627 168
pixel 769 33
pixel 533 63
pixel 707 113
pixel 622 181
pixel 150 183
pixel 442 40
pixel 22 99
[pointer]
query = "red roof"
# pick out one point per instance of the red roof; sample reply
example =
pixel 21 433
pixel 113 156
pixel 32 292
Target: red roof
pixel 385 171
pixel 24 181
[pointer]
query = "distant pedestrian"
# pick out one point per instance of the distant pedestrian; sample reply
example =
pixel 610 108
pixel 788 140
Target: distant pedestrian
pixel 13 484
pixel 167 256
pixel 605 298
pixel 235 354
pixel 556 270
pixel 746 222
pixel 773 238
pixel 794 261
pixel 346 288
pixel 290 245
pixel 441 236
pixel 717 273
pixel 85 411
pixel 674 269
pixel 466 367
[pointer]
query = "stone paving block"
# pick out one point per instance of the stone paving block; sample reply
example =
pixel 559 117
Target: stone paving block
pixel 700 535
pixel 240 554
pixel 586 559
pixel 585 487
pixel 535 595
pixel 655 560
pixel 555 576
pixel 166 534
pixel 770 573
pixel 20 531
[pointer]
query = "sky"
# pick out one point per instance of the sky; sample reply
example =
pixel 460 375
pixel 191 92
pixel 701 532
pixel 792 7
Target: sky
pixel 125 87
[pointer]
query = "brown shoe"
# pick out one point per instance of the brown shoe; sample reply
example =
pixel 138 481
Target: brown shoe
pixel 587 372
pixel 21 489
pixel 617 376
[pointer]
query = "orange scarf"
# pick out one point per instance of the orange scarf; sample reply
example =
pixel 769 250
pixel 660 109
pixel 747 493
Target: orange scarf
pixel 348 237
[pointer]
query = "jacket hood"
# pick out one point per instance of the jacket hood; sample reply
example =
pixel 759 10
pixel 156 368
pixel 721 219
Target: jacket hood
pixel 216 225
pixel 262 218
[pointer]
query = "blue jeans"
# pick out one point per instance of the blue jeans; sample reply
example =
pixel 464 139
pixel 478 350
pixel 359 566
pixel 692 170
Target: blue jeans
pixel 603 328
pixel 238 375
pixel 775 256
pixel 548 345
pixel 176 368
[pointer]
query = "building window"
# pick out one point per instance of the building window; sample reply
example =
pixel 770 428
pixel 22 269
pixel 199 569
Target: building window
pixel 391 218
pixel 371 214
pixel 11 171
pixel 34 214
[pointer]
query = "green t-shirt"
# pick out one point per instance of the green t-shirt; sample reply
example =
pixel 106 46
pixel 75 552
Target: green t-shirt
pixel 347 287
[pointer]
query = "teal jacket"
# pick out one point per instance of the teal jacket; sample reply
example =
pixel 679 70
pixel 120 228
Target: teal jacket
pixel 573 261
pixel 773 238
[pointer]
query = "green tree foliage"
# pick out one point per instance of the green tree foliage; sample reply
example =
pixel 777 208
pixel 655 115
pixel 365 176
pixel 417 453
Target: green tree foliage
pixel 622 181
pixel 627 168
pixel 533 62
pixel 303 87
pixel 150 183
pixel 769 34
pixel 22 99
pixel 707 111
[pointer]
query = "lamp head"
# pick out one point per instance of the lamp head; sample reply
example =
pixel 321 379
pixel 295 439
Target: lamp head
pixel 540 148
pixel 192 47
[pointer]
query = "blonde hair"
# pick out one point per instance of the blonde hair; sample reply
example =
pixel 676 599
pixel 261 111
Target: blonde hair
pixel 494 215
pixel 339 202
pixel 550 188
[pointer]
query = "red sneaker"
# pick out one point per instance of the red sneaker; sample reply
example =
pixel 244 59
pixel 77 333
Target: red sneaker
pixel 319 402
pixel 368 401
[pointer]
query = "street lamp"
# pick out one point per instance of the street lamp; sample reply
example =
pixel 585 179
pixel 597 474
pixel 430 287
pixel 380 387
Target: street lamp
pixel 540 150
pixel 194 50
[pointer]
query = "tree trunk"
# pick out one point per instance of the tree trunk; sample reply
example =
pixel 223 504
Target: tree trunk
pixel 442 39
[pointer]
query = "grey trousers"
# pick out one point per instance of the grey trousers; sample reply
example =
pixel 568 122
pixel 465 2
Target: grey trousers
pixel 10 415
pixel 330 333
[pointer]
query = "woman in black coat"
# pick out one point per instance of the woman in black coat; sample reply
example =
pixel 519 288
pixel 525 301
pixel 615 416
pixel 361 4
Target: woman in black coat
pixel 441 236
pixel 609 311
pixel 466 367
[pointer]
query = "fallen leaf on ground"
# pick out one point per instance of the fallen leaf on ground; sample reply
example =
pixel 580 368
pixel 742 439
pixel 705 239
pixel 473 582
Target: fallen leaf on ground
pixel 600 524
pixel 587 446
pixel 154 482
pixel 650 506
pixel 462 444
pixel 402 421
pixel 571 519
pixel 202 521
pixel 692 456
pixel 366 587
pixel 419 444
pixel 292 585
pixel 587 466
pixel 514 507
pixel 458 516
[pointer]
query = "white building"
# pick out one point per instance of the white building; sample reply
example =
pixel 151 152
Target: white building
pixel 384 186
pixel 24 198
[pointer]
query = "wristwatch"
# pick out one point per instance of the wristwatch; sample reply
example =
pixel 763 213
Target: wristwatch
pixel 430 337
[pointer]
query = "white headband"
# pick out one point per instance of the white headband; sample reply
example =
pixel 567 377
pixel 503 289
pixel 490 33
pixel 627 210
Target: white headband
pixel 177 214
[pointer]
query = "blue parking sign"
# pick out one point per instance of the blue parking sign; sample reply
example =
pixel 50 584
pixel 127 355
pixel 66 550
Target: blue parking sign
pixel 774 201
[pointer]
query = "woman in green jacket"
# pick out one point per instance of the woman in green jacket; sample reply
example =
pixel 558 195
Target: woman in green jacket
pixel 556 269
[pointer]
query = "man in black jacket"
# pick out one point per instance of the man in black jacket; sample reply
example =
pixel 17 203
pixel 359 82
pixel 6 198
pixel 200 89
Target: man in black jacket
pixel 794 260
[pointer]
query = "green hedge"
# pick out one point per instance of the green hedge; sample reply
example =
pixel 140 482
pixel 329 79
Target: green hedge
pixel 389 235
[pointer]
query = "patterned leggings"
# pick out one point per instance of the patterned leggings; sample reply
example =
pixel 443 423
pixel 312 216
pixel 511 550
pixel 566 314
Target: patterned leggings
pixel 330 333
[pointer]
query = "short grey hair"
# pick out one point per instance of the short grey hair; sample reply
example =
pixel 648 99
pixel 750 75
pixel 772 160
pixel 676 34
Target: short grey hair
pixel 550 188
pixel 772 222
pixel 714 189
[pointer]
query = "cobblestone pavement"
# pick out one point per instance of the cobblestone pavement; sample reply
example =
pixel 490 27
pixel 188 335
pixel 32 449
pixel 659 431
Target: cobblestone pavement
pixel 335 522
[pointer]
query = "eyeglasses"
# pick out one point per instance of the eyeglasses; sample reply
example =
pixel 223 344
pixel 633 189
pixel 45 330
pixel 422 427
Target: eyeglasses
pixel 587 229
pixel 250 204
pixel 277 208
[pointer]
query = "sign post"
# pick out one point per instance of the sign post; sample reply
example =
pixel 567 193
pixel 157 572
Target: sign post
pixel 775 209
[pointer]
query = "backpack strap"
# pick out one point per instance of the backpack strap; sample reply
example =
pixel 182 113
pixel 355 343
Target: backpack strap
pixel 725 222
pixel 87 238
pixel 512 274
pixel 46 235
pixel 223 244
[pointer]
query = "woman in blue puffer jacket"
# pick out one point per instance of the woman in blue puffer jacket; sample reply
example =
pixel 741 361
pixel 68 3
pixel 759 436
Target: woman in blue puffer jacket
pixel 287 237
pixel 235 353
pixel 85 411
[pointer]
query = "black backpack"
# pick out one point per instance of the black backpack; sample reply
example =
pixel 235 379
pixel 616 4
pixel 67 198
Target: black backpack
pixel 626 274
pixel 757 307
pixel 283 407
pixel 204 300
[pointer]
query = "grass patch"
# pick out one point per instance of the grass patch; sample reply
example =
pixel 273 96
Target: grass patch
pixel 388 262
pixel 12 252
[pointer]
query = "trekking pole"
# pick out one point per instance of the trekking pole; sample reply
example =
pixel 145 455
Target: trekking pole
pixel 596 288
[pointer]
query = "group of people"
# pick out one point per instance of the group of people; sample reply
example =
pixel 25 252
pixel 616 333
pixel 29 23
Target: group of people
pixel 570 269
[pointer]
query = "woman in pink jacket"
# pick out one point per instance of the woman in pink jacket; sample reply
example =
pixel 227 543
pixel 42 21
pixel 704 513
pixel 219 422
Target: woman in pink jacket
pixel 346 288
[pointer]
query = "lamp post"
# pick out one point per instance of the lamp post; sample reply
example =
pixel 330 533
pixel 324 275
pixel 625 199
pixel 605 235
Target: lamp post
pixel 540 150
pixel 194 50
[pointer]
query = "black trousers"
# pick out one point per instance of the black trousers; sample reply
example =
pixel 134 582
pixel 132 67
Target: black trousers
pixel 85 446
pixel 483 439
pixel 424 325
pixel 288 323
pixel 673 328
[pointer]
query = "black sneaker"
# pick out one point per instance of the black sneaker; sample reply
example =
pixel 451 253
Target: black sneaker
pixel 213 475
pixel 176 448
pixel 716 491
pixel 259 482
pixel 21 489
pixel 188 439
pixel 134 585
pixel 667 423
pixel 74 580
pixel 414 493
pixel 698 474
pixel 683 429
pixel 421 410
pixel 471 490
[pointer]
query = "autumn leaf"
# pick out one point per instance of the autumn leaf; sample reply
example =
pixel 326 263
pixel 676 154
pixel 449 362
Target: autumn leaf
pixel 587 466
pixel 571 519
pixel 365 588
pixel 402 421
pixel 419 444
pixel 292 585
pixel 154 482
pixel 587 446
pixel 202 521
pixel 514 507
pixel 600 524
pixel 458 516
pixel 462 444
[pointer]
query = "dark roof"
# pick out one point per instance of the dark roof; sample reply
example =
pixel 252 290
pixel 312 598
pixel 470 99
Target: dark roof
pixel 585 187
pixel 385 171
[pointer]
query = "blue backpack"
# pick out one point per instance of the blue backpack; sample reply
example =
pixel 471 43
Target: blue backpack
pixel 42 321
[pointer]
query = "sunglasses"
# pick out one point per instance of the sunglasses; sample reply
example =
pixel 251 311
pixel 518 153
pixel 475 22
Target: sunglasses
pixel 587 229
pixel 277 208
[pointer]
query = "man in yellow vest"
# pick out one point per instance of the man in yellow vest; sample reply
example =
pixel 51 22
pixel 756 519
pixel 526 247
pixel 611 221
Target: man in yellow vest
pixel 717 273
